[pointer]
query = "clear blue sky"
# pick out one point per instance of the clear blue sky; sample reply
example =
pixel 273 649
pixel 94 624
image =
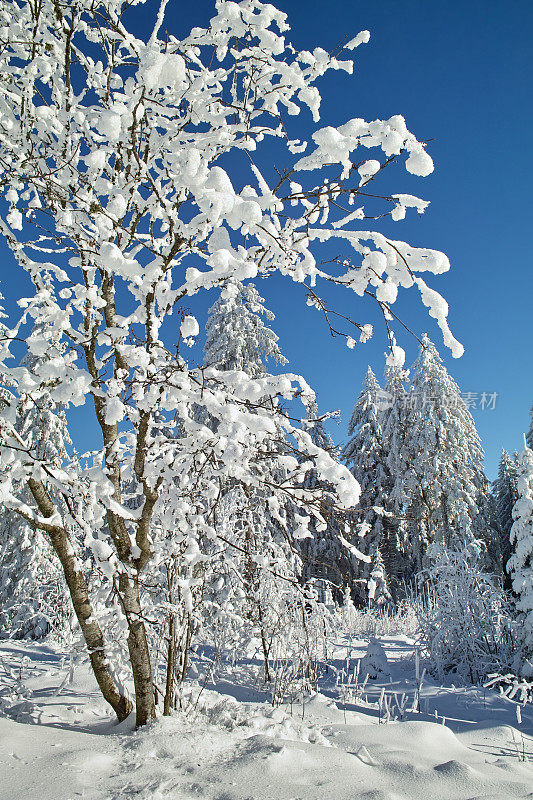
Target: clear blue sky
pixel 460 74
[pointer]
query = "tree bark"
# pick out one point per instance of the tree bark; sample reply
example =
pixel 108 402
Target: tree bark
pixel 138 651
pixel 168 703
pixel 186 649
pixel 92 633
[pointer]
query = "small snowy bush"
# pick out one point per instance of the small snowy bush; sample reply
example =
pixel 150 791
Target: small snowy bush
pixel 374 662
pixel 357 623
pixel 465 624
pixel 512 687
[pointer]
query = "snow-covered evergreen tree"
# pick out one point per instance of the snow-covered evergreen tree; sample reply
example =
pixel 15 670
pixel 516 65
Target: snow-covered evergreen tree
pixel 378 589
pixel 237 337
pixel 236 334
pixel 393 421
pixel 445 482
pixel 505 489
pixel 521 562
pixel 365 457
pixel 258 529
pixel 33 594
pixel 494 561
pixel 325 560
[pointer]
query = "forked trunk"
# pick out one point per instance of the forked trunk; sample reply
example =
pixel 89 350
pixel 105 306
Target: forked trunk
pixel 90 629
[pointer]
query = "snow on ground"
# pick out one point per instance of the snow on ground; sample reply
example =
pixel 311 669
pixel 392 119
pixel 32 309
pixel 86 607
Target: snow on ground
pixel 58 742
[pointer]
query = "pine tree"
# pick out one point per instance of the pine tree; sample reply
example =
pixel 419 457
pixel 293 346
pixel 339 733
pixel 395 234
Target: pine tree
pixel 521 562
pixel 378 589
pixel 445 483
pixel 364 455
pixel 33 595
pixel 505 496
pixel 325 560
pixel 393 420
pixel 492 544
pixel 237 337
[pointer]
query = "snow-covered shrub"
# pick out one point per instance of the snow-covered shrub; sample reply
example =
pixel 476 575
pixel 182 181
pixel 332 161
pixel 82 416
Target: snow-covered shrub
pixel 513 688
pixel 356 623
pixel 299 647
pixel 374 662
pixel 464 616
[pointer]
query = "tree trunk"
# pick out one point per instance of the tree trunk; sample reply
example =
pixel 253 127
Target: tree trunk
pixel 168 703
pixel 138 651
pixel 264 644
pixel 90 629
pixel 187 647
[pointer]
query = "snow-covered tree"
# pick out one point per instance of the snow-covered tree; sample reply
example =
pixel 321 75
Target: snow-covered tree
pixel 236 335
pixel 393 423
pixel 505 496
pixel 114 153
pixel 378 589
pixel 365 456
pixel 326 561
pixel 32 589
pixel 33 596
pixel 237 339
pixel 465 625
pixel 445 483
pixel 248 587
pixel 521 562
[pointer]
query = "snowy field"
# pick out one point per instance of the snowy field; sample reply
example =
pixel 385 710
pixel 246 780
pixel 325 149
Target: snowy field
pixel 348 740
